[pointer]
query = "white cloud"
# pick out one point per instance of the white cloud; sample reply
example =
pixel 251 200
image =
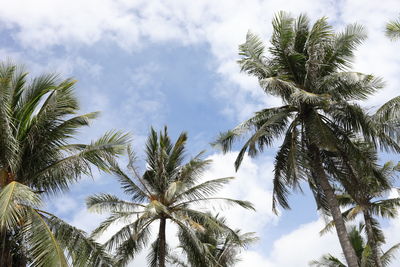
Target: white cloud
pixel 303 245
pixel 87 221
pixel 253 182
pixel 64 204
pixel 143 97
pixel 220 24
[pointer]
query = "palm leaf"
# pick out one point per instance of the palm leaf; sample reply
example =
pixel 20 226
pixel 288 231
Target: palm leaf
pixel 106 203
pixel 57 176
pixel 44 247
pixel 388 256
pixel 205 189
pixel 82 249
pixel 14 199
pixel 393 29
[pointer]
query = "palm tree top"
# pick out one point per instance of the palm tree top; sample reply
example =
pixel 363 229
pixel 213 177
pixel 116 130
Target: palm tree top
pixel 308 68
pixel 38 124
pixel 39 120
pixel 168 189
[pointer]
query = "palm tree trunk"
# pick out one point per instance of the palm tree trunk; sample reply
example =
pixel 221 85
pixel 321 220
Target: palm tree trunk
pixel 372 240
pixel 322 179
pixel 162 244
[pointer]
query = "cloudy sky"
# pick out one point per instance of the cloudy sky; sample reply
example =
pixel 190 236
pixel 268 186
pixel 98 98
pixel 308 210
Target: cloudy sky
pixel 154 63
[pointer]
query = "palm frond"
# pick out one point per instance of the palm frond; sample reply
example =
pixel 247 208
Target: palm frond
pixel 393 29
pixel 115 218
pixel 203 190
pixel 211 200
pixel 45 249
pixel 388 256
pixel 288 167
pixel 107 203
pixel 302 30
pixel 137 192
pixel 61 173
pixel 343 47
pixel 152 256
pixel 389 111
pixel 278 86
pixel 327 261
pixel 82 250
pixel 350 85
pixel 190 172
pixel 196 253
pixel 386 208
pixel 8 142
pixel 14 200
pixel 264 134
pixel 252 57
pixel 131 246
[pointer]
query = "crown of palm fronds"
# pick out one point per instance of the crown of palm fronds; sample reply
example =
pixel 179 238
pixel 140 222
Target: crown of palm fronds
pixel 308 67
pixel 169 188
pixel 38 121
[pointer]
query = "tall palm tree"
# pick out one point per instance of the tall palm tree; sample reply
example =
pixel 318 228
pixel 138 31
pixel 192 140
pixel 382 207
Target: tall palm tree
pixel 393 29
pixel 222 248
pixel 365 194
pixel 308 68
pixel 38 119
pixel 167 191
pixel 363 251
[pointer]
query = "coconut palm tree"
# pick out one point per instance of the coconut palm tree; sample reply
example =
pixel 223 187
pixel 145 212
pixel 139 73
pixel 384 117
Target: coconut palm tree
pixel 366 194
pixel 308 68
pixel 363 251
pixel 393 29
pixel 168 190
pixel 38 119
pixel 220 248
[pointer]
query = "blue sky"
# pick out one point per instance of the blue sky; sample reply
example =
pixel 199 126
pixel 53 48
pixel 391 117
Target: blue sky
pixel 156 63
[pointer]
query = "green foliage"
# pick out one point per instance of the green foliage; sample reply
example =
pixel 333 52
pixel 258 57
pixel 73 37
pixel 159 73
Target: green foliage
pixel 364 186
pixel 362 249
pixel 393 29
pixel 169 189
pixel 222 247
pixel 38 120
pixel 308 68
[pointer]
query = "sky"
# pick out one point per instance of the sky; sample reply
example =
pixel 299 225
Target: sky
pixel 155 63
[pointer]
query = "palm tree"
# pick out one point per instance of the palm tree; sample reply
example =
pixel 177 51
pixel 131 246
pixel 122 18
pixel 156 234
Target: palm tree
pixel 167 191
pixel 364 194
pixel 393 29
pixel 222 248
pixel 38 118
pixel 362 249
pixel 308 68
